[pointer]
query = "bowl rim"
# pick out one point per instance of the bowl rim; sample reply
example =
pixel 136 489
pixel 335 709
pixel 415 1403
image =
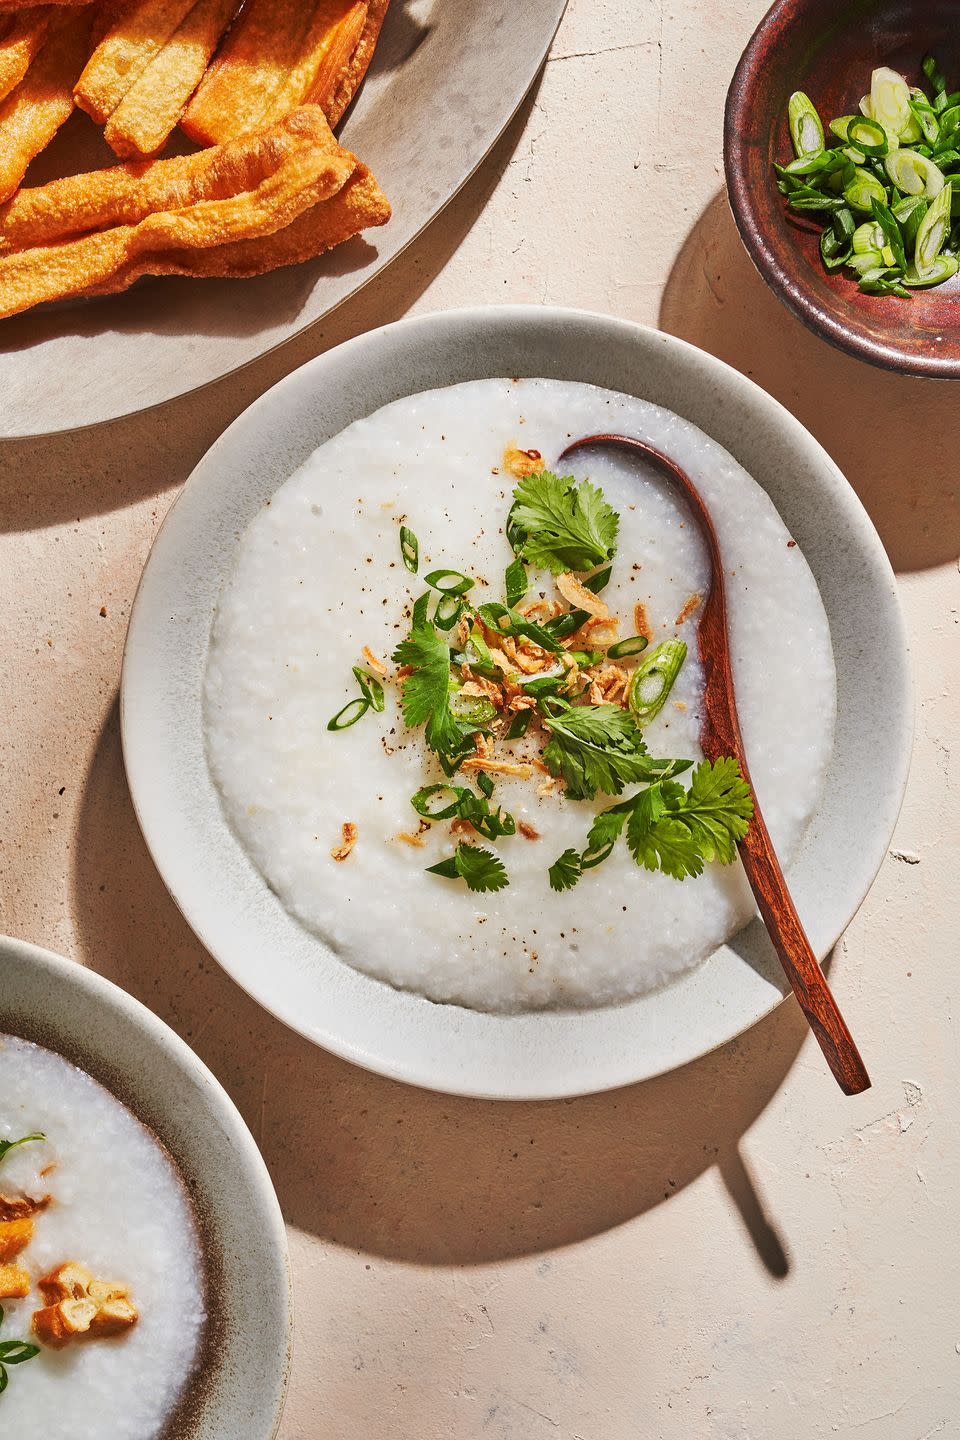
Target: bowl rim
pixel 753 229
pixel 69 978
pixel 445 1067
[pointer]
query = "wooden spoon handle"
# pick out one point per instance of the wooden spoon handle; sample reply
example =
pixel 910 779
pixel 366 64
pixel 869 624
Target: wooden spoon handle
pixel 720 735
pixel 799 963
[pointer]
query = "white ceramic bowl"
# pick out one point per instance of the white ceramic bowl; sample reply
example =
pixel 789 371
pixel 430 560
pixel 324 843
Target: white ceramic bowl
pixel 228 904
pixel 238 1391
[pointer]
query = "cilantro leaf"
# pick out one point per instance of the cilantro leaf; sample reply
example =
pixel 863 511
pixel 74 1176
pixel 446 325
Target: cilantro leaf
pixel 480 869
pixel 558 525
pixel 604 833
pixel 565 870
pixel 425 699
pixel 599 747
pixel 7 1145
pixel 678 831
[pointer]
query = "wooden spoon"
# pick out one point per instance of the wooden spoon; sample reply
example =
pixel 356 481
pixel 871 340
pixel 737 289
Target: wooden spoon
pixel 720 735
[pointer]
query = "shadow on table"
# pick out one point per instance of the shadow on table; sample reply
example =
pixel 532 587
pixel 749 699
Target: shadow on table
pixel 896 438
pixel 146 454
pixel 387 1169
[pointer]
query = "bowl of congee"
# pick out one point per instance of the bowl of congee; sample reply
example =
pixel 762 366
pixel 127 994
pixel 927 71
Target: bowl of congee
pixel 137 1221
pixel 413 697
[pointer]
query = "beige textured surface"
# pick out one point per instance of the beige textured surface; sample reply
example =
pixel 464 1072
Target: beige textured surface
pixel 734 1251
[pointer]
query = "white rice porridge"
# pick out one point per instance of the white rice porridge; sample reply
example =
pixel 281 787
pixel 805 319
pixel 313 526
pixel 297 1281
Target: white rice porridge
pixel 119 1207
pixel 318 575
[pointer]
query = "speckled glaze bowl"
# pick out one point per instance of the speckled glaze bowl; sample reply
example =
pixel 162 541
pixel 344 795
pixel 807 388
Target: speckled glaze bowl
pixel 829 49
pixel 238 1387
pixel 534 1055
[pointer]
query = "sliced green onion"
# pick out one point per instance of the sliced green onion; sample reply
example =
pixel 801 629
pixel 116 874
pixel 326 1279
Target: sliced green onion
pixel 873 274
pixel 484 784
pixel 409 549
pixel 653 679
pixel 449 582
pixel 546 683
pixel 944 267
pixel 934 75
pixel 949 123
pixel 350 714
pixel 868 260
pixel 515 582
pixel 370 688
pixel 623 649
pixel 477 653
pixel 868 136
pixel 866 237
pixel 932 232
pixel 908 213
pixel 892 243
pixel 421 801
pixel 914 174
pixel 889 100
pixel 519 725
pixel 822 161
pixel 844 225
pixel 806 129
pixel 472 709
pixel 813 200
pixel 863 189
pixel 833 252
pixel 598 582
pixel 925 116
pixel 842 124
pixel 448 611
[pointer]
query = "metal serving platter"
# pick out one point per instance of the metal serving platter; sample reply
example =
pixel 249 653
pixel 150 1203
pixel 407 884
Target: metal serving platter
pixel 446 79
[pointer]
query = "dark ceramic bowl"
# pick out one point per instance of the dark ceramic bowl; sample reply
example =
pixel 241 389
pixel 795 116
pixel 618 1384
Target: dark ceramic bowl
pixel 828 49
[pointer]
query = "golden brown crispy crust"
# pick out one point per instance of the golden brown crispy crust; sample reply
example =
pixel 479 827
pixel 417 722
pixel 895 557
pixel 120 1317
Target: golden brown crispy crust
pixel 237 92
pixel 357 68
pixel 20 44
pixel 32 114
pixel 297 173
pixel 275 58
pixel 15 1235
pixel 340 46
pixel 153 105
pixel 14 1283
pixel 138 34
pixel 126 194
pixel 360 205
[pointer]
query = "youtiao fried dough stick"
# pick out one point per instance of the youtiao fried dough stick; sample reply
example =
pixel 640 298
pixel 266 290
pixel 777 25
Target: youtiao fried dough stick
pixel 295 173
pixel 340 49
pixel 152 106
pixel 126 194
pixel 32 114
pixel 236 93
pixel 357 67
pixel 262 72
pixel 360 205
pixel 20 44
pixel 332 36
pixel 139 33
